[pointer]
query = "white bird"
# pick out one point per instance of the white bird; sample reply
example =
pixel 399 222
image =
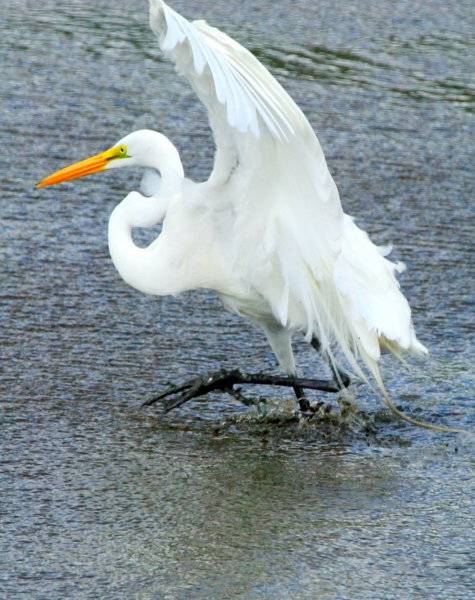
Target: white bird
pixel 266 231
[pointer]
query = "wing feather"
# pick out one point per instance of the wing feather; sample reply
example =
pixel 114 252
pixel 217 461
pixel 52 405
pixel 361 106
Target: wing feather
pixel 289 240
pixel 247 90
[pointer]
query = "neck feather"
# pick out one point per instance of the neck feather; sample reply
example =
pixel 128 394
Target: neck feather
pixel 157 152
pixel 145 268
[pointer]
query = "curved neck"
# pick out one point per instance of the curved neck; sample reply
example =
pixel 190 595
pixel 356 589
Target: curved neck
pixel 145 269
pixel 177 260
pixel 157 152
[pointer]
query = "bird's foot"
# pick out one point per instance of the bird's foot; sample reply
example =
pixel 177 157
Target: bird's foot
pixel 176 395
pixel 310 409
pixel 224 381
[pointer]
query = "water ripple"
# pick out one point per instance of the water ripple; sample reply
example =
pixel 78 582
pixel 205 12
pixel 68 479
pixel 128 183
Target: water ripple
pixel 102 499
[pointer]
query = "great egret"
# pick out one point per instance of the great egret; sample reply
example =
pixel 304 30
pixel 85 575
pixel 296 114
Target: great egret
pixel 266 231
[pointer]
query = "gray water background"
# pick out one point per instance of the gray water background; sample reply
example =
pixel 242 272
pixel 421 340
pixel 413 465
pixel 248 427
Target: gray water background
pixel 102 499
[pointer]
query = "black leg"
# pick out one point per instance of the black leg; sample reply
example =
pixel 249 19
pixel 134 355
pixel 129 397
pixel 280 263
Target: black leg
pixel 339 377
pixel 224 381
pixel 302 400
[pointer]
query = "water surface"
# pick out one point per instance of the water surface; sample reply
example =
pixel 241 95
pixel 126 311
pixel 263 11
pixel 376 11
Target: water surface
pixel 102 499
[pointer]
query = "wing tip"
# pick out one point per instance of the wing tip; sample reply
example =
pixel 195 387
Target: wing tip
pixel 172 29
pixel 156 15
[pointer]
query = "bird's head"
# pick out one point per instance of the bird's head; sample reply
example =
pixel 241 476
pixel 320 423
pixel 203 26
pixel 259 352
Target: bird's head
pixel 141 148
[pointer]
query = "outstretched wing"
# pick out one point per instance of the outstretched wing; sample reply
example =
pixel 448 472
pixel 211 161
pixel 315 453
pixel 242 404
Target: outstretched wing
pixel 262 137
pixel 288 229
pixel 240 94
pixel 253 99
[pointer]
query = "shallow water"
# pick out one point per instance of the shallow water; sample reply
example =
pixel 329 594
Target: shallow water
pixel 102 499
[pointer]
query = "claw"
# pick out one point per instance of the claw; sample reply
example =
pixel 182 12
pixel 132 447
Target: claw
pixel 174 389
pixel 224 381
pixel 194 388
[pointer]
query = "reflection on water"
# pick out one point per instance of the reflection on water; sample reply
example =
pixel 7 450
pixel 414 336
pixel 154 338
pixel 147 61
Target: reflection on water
pixel 103 499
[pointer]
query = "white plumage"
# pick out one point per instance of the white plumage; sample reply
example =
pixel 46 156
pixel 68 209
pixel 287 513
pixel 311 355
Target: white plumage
pixel 266 231
pixel 296 260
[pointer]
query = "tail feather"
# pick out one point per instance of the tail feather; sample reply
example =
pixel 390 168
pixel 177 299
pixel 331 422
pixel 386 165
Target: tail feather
pixel 371 296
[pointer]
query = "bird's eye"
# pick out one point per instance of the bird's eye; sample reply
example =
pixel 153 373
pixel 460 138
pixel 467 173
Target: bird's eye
pixel 122 151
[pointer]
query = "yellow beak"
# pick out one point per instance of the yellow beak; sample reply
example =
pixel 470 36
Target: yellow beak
pixel 84 167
